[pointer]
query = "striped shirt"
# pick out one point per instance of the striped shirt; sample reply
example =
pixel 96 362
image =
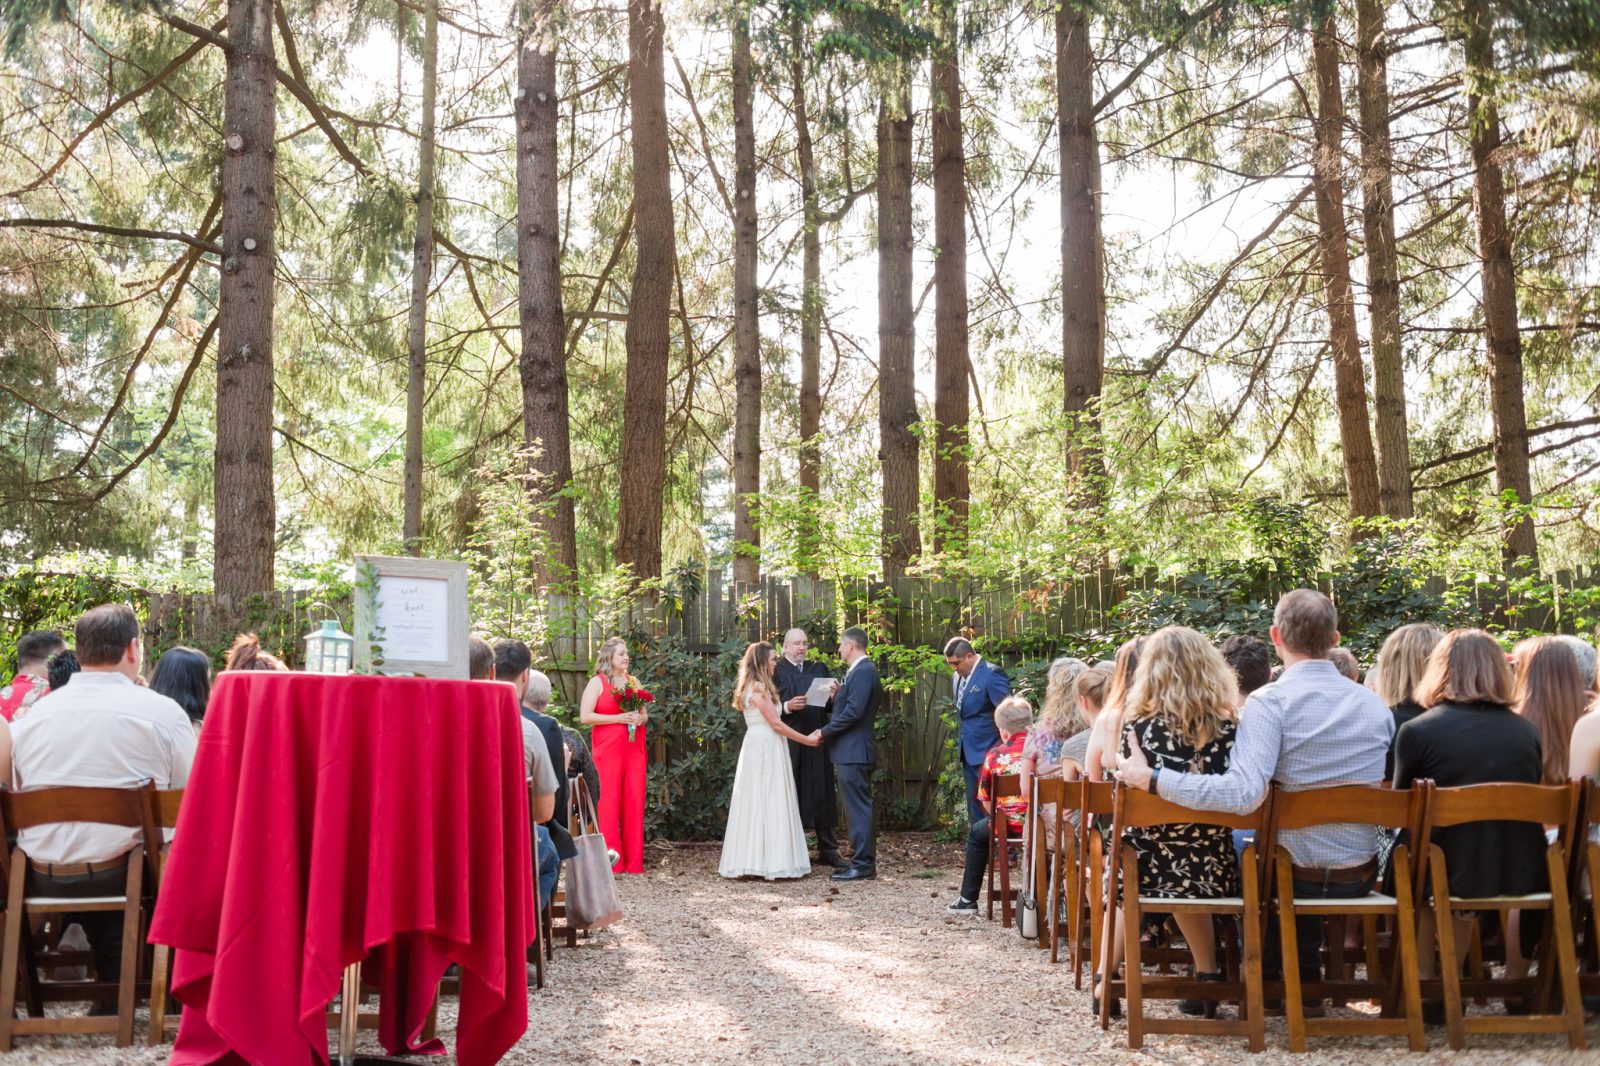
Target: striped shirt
pixel 1311 728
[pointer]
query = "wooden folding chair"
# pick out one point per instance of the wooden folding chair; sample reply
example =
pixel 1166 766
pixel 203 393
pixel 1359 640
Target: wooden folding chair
pixel 161 813
pixel 1364 805
pixel 1002 786
pixel 100 806
pixel 1050 867
pixel 1087 897
pixel 1584 863
pixel 1137 809
pixel 1541 805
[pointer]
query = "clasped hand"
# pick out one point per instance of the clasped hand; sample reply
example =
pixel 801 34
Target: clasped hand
pixel 812 739
pixel 632 718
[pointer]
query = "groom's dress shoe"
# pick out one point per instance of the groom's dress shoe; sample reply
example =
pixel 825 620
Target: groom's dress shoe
pixel 855 873
pixel 833 859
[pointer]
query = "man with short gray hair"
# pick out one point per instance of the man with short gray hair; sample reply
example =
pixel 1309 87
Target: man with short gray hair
pixel 1583 651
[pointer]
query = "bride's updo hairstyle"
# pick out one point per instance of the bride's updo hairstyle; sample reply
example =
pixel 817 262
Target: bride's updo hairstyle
pixel 754 669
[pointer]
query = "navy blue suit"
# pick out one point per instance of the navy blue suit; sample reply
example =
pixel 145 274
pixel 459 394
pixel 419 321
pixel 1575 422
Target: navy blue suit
pixel 850 745
pixel 985 689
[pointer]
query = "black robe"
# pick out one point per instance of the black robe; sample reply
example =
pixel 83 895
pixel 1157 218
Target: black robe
pixel 813 770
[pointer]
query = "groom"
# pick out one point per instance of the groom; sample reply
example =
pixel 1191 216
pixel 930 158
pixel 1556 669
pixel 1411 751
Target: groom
pixel 849 738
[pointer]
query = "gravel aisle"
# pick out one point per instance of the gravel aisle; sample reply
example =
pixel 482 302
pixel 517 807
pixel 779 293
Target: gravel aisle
pixel 707 971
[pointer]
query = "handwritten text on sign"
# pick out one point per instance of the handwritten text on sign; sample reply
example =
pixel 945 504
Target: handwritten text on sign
pixel 414 615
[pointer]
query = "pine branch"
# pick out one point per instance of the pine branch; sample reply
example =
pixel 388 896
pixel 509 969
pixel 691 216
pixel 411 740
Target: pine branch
pixel 113 231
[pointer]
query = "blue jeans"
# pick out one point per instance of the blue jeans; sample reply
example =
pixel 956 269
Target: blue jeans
pixel 549 864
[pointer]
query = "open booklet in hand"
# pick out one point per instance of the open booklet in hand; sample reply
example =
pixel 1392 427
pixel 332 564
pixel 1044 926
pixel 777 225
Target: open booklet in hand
pixel 821 688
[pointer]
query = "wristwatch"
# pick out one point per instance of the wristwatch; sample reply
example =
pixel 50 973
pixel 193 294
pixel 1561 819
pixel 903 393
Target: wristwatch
pixel 1155 775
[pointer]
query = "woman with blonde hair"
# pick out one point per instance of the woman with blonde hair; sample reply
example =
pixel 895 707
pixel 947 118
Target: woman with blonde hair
pixel 1058 722
pixel 1401 663
pixel 764 836
pixel 1179 709
pixel 620 759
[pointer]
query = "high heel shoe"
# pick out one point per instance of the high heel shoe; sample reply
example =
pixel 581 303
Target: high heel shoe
pixel 1202 1008
pixel 1116 1004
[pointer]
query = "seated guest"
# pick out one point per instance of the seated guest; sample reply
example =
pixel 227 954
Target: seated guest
pixel 580 763
pixel 184 676
pixel 1583 755
pixel 1058 722
pixel 480 660
pixel 1344 661
pixel 1584 652
pixel 63 664
pixel 1251 662
pixel 101 730
pixel 1106 736
pixel 1011 719
pixel 1549 693
pixel 1402 661
pixel 247 654
pixel 1093 687
pixel 32 677
pixel 1180 715
pixel 513 662
pixel 1308 729
pixel 1470 735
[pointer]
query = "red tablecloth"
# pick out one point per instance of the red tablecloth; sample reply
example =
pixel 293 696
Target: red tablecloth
pixel 334 819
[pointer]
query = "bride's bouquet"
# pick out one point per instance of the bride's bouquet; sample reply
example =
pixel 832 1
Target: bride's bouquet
pixel 634 697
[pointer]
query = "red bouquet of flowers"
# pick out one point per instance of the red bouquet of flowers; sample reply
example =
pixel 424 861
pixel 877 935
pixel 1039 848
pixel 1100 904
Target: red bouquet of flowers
pixel 634 697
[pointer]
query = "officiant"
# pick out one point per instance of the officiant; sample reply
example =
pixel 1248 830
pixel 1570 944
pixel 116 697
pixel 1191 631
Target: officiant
pixel 813 771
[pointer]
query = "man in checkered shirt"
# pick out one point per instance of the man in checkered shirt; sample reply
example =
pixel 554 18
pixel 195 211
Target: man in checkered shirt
pixel 1309 729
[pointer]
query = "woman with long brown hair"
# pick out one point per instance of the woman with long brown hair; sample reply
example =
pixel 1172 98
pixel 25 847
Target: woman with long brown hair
pixel 1102 753
pixel 764 837
pixel 1549 693
pixel 621 759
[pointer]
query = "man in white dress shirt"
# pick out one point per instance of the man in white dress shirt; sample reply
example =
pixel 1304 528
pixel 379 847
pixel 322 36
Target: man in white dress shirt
pixel 101 729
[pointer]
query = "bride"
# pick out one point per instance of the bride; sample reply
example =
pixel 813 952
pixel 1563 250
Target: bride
pixel 764 836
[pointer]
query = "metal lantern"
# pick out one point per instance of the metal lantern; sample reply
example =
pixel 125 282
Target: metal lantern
pixel 329 650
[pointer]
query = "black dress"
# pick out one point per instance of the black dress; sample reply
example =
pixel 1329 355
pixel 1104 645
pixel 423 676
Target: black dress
pixel 1477 744
pixel 1403 712
pixel 813 770
pixel 1184 860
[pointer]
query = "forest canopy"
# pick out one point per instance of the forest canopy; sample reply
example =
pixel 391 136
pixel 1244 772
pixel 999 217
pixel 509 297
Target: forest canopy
pixel 827 286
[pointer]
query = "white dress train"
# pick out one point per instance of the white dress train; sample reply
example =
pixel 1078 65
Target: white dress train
pixel 764 837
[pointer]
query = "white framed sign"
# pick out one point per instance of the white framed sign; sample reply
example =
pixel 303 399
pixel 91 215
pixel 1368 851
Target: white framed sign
pixel 412 614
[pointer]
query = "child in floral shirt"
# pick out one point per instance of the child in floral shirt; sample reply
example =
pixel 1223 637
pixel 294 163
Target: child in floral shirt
pixel 1012 718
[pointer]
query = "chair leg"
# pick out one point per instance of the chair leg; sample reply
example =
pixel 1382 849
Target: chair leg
pixel 132 920
pixel 10 954
pixel 1405 949
pixel 1566 953
pixel 1133 963
pixel 1293 1003
pixel 155 1031
pixel 1449 961
pixel 1004 852
pixel 1250 931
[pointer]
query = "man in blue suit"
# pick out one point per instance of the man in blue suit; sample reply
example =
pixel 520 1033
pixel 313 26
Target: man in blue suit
pixel 850 745
pixel 977 689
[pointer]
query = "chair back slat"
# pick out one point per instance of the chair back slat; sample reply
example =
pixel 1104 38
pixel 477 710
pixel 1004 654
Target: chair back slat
pixel 1361 804
pixel 1097 797
pixel 1136 808
pixel 164 806
pixel 46 806
pixel 1544 804
pixel 1005 786
pixel 1050 790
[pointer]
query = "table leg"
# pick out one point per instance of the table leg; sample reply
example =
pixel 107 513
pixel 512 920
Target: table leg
pixel 349 1020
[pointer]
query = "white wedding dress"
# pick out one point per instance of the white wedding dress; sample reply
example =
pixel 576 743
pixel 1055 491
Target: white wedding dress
pixel 764 837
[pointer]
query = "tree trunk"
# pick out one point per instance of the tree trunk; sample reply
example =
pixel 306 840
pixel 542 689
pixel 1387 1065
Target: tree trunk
pixel 421 281
pixel 746 323
pixel 951 487
pixel 897 385
pixel 644 402
pixel 809 535
pixel 1499 282
pixel 1083 291
pixel 1383 271
pixel 246 518
pixel 543 360
pixel 1350 384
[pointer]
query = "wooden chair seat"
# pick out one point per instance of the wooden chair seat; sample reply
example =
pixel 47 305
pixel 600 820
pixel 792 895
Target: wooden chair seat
pixel 99 806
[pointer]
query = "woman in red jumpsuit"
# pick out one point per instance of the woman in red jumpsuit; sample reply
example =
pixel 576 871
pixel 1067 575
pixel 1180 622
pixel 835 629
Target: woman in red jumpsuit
pixel 621 761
